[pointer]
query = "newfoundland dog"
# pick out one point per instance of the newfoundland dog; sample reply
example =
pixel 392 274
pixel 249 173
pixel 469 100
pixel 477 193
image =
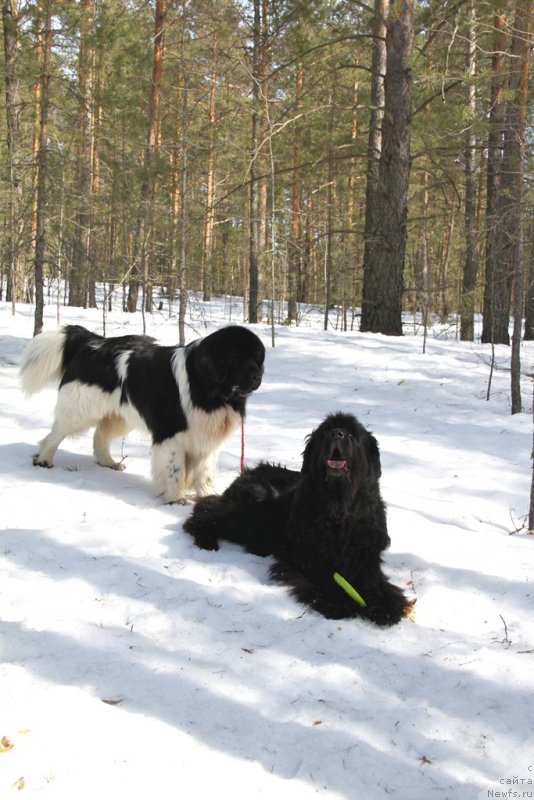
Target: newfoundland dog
pixel 189 399
pixel 325 525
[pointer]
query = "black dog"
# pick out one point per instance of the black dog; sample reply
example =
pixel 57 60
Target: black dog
pixel 329 518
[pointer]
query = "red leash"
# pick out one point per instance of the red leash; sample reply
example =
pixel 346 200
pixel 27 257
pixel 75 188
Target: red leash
pixel 242 443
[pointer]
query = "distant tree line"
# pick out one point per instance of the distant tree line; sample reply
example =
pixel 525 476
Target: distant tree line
pixel 372 159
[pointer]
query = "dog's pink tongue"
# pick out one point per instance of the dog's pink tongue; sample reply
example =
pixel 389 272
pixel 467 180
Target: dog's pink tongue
pixel 336 464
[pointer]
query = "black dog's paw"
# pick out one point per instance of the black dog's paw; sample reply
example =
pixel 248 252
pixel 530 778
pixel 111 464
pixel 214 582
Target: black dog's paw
pixel 335 610
pixel 383 615
pixel 309 593
pixel 334 607
pixel 389 609
pixel 206 541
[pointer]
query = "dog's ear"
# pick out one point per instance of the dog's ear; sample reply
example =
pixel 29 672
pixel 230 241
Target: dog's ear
pixel 210 364
pixel 373 455
pixel 308 452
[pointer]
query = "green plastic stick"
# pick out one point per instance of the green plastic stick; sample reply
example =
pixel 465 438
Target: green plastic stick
pixel 350 590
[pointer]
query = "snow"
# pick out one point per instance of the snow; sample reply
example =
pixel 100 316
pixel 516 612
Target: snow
pixel 134 663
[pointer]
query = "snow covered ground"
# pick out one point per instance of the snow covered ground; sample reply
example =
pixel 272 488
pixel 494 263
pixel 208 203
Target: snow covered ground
pixel 132 663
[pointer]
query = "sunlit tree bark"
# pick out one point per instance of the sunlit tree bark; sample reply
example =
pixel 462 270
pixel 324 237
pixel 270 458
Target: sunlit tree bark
pixel 144 229
pixel 495 316
pixel 42 171
pixel 258 176
pixel 10 12
pixel 374 144
pixel 79 275
pixel 384 267
pixel 209 213
pixel 295 244
pixel 513 193
pixel 467 300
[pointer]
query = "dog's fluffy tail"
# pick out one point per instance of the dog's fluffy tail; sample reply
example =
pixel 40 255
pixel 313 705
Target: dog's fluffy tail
pixel 42 363
pixel 48 355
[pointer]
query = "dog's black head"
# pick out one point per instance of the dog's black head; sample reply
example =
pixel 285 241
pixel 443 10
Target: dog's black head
pixel 230 362
pixel 342 452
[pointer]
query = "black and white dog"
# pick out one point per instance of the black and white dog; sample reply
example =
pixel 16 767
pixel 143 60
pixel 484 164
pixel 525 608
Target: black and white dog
pixel 189 399
pixel 325 525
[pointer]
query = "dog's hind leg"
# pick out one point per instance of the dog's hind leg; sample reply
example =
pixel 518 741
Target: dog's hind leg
pixel 44 457
pixel 69 420
pixel 109 428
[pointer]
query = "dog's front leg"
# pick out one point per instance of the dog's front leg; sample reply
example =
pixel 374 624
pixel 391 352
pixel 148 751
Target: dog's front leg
pixel 202 474
pixel 169 470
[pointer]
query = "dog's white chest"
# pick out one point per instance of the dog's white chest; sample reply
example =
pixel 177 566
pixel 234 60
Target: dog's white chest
pixel 208 430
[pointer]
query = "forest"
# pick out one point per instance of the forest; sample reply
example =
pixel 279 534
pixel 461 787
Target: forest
pixel 370 159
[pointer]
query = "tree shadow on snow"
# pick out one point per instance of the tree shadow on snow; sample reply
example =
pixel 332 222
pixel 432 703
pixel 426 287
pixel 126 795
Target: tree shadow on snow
pixel 216 673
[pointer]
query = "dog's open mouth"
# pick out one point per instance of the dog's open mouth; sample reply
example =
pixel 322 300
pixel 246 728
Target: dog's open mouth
pixel 337 465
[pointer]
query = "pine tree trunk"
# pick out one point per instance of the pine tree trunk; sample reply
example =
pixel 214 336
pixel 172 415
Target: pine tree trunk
pixel 352 260
pixel 514 165
pixel 294 250
pixel 329 212
pixel 467 300
pixel 384 268
pixel 175 212
pixel 36 124
pixel 79 276
pixel 492 329
pixel 10 10
pixel 258 180
pixel 448 238
pixel 254 205
pixel 182 265
pixel 264 150
pixel 150 183
pixel 531 507
pixel 423 260
pixel 144 251
pixel 182 184
pixel 529 294
pixel 374 144
pixel 42 173
pixel 206 265
pixel 96 256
